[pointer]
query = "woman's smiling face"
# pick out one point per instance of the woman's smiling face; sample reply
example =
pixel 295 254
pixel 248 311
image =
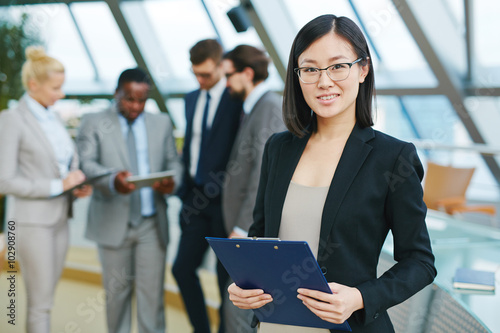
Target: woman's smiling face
pixel 329 98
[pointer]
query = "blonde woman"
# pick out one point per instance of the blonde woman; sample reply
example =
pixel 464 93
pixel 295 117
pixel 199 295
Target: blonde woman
pixel 38 164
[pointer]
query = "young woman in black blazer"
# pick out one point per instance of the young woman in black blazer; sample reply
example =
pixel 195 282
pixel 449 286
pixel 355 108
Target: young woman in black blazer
pixel 373 180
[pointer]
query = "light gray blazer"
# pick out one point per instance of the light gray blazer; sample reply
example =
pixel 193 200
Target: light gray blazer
pixel 102 148
pixel 243 169
pixel 27 166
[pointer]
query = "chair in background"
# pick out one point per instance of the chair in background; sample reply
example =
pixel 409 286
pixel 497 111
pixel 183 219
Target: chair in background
pixel 447 315
pixel 411 315
pixel 445 187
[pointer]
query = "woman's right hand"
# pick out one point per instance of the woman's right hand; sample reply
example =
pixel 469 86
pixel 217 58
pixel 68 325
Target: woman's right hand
pixel 82 191
pixel 74 178
pixel 248 298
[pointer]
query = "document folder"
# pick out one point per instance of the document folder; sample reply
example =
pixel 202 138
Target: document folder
pixel 279 268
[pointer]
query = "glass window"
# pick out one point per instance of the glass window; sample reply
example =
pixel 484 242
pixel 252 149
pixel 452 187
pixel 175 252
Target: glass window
pixel 390 118
pixel 61 37
pixel 457 13
pixel 170 63
pixel 434 118
pixel 229 37
pixel 431 120
pixel 177 32
pixel 172 69
pixel 486 27
pixel 109 50
pixel 304 11
pixel 438 123
pixel 400 61
pixel 176 109
pixel 485 112
pixel 53 23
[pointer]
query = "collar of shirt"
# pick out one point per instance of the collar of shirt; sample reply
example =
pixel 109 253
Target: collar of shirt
pixel 254 97
pixel 215 97
pixel 217 90
pixel 40 112
pixel 139 121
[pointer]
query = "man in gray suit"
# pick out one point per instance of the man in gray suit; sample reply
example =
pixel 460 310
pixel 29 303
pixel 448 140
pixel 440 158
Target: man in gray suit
pixel 130 225
pixel 246 69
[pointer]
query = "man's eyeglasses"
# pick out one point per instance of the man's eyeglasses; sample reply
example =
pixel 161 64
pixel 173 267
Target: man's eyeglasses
pixel 228 75
pixel 336 72
pixel 205 76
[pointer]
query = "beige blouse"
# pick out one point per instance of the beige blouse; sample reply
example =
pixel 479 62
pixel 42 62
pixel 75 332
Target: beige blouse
pixel 300 221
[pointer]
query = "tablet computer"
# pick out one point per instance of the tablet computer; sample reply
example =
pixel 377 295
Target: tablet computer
pixel 150 179
pixel 89 181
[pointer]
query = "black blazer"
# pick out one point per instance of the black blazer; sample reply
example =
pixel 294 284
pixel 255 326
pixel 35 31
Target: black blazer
pixel 376 188
pixel 222 135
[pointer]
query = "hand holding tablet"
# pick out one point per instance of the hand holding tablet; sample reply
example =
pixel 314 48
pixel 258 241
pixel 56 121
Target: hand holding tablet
pixel 149 180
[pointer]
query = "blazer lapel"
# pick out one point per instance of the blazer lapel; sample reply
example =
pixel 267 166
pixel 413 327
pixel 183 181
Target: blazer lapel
pixel 190 109
pixel 117 137
pixel 247 118
pixel 289 157
pixel 219 116
pixel 153 150
pixel 38 131
pixel 355 153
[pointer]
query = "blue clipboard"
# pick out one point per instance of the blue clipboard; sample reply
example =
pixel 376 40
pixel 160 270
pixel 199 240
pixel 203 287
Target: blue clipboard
pixel 279 268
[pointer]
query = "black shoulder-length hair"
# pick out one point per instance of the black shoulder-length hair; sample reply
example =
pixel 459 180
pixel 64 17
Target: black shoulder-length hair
pixel 297 114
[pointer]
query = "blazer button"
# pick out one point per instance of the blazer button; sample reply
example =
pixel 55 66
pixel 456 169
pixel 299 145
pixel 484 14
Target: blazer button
pixel 324 270
pixel 375 316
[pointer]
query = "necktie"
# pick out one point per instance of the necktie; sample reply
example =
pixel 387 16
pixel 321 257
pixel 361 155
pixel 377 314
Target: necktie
pixel 204 126
pixel 201 173
pixel 135 198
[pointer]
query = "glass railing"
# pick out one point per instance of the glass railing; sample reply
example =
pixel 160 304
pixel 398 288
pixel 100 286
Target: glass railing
pixel 458 243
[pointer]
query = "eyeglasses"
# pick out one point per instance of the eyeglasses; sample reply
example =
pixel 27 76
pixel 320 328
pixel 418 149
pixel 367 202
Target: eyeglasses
pixel 205 76
pixel 336 72
pixel 228 75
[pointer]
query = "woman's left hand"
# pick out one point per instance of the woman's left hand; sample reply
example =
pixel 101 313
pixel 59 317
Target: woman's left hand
pixel 335 308
pixel 83 191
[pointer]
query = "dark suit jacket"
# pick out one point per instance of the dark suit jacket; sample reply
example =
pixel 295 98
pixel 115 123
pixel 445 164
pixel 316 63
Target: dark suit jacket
pixel 224 128
pixel 243 170
pixel 376 188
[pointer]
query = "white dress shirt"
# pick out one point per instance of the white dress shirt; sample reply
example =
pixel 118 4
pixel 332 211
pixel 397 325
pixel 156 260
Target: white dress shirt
pixel 254 97
pixel 215 97
pixel 141 145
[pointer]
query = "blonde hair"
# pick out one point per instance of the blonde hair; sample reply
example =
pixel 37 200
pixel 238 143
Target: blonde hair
pixel 39 65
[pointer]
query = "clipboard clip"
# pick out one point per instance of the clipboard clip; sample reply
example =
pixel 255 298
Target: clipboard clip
pixel 256 239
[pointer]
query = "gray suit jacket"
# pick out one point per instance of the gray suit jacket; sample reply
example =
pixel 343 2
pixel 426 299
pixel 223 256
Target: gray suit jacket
pixel 243 169
pixel 102 148
pixel 27 166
